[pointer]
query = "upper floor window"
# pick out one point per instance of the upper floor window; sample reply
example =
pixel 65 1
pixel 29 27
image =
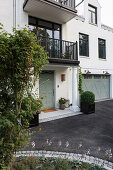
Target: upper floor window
pixel 45 28
pixel 102 48
pixel 83 45
pixel 92 14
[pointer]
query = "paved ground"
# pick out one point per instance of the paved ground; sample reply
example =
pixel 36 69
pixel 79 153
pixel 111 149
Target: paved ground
pixel 91 134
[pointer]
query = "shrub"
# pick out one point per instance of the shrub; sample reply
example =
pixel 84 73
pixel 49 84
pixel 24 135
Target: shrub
pixel 42 163
pixel 87 97
pixel 62 100
pixel 21 61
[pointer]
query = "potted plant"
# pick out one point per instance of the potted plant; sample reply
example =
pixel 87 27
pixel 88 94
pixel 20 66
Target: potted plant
pixel 62 102
pixel 35 120
pixel 34 109
pixel 87 102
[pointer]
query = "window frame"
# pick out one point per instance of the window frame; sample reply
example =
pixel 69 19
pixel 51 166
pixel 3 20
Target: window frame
pixel 89 5
pixel 86 54
pixel 104 46
pixel 52 23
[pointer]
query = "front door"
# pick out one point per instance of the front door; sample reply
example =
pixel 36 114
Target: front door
pixel 46 88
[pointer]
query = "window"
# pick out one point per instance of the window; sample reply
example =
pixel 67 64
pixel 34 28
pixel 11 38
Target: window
pixel 83 45
pixel 102 48
pixel 45 28
pixel 92 14
pixel 87 76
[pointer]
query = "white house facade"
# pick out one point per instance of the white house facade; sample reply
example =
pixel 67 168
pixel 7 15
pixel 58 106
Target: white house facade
pixel 71 42
pixel 95 50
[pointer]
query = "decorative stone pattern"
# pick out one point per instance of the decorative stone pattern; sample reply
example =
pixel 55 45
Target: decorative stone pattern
pixel 71 156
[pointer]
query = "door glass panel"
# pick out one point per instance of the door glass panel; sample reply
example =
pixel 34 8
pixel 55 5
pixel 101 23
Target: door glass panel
pixel 49 33
pixel 56 35
pixel 57 31
pixel 33 29
pixel 41 32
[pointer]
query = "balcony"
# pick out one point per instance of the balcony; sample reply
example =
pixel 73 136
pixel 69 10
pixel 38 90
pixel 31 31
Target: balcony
pixel 59 11
pixel 60 51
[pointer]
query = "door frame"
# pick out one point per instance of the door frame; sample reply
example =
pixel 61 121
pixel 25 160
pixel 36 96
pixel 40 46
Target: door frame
pixel 54 87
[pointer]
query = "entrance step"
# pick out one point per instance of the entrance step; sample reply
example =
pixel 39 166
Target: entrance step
pixel 49 116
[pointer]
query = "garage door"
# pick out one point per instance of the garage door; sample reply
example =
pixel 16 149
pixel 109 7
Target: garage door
pixel 98 84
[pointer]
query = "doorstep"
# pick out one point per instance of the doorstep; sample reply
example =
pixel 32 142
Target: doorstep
pixel 49 116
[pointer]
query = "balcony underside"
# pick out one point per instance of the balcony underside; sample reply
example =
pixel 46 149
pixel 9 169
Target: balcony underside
pixel 49 10
pixel 68 62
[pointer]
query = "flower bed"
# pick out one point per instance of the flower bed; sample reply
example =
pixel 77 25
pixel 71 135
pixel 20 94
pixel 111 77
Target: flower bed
pixel 42 163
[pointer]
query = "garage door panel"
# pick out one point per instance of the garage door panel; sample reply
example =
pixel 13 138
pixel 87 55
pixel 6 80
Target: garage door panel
pixel 99 85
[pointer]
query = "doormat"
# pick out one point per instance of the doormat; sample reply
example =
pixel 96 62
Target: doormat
pixel 49 110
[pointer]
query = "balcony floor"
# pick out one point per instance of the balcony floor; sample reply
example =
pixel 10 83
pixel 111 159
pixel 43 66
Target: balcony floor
pixel 59 61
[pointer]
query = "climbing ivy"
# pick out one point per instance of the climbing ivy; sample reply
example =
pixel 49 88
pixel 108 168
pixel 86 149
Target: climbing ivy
pixel 80 81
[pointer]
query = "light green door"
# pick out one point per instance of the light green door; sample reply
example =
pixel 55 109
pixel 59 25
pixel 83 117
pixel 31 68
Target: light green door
pixel 98 84
pixel 46 88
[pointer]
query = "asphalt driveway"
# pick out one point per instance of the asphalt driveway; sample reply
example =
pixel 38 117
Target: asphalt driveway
pixel 91 134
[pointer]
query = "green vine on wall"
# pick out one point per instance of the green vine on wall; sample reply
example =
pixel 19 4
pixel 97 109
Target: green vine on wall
pixel 80 81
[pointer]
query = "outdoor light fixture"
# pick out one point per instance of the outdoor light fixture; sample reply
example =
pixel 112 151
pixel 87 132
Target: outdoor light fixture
pixel 88 72
pixel 63 77
pixel 106 73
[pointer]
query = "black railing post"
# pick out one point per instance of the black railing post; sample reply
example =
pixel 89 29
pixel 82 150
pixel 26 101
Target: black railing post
pixel 76 50
pixel 59 48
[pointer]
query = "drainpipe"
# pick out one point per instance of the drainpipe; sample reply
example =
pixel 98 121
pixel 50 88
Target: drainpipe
pixel 14 13
pixel 74 106
pixel 79 3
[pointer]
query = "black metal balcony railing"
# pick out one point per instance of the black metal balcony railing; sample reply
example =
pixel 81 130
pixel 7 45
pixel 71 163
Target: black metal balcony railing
pixel 69 3
pixel 59 49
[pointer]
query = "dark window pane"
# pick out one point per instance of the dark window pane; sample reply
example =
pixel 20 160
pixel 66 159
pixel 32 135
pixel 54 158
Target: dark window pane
pixel 33 29
pixel 83 45
pixel 57 27
pixel 102 48
pixel 87 76
pixel 45 24
pixel 41 32
pixel 97 77
pixel 32 21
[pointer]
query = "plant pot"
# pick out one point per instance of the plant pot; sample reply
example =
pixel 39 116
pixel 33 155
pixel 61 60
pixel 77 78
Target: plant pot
pixel 62 106
pixel 35 120
pixel 79 99
pixel 87 108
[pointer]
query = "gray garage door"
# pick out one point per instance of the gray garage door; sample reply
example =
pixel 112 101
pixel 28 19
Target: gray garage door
pixel 98 84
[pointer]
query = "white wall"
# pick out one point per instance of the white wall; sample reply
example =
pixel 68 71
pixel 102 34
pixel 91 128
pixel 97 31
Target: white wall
pixel 80 25
pixel 6 14
pixel 62 89
pixel 12 14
